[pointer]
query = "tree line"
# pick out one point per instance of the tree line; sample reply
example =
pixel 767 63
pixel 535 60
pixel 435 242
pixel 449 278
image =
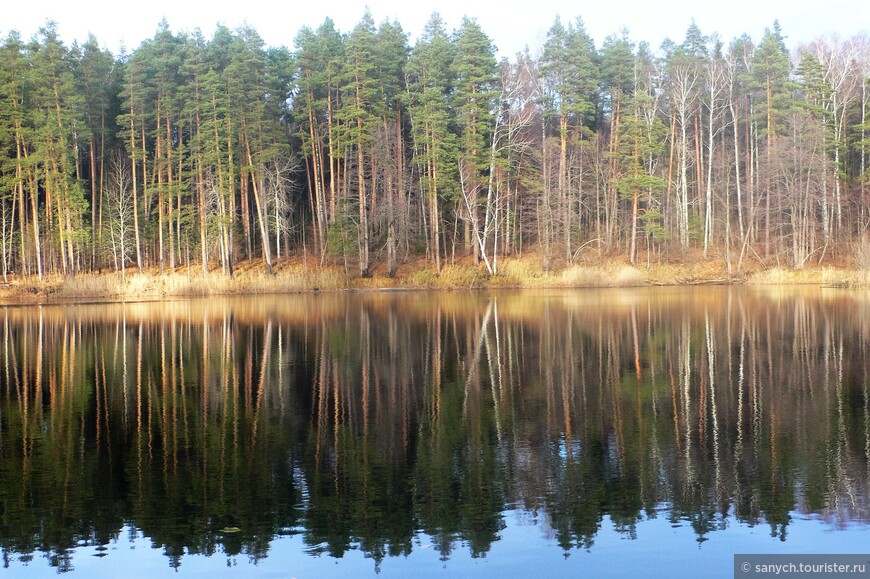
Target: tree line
pixel 359 148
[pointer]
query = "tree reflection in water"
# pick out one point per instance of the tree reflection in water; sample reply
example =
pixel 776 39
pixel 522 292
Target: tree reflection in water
pixel 369 421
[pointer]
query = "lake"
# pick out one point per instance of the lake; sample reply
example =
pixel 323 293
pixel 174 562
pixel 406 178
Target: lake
pixel 652 431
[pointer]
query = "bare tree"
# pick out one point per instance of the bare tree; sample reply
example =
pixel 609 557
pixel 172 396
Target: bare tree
pixel 862 42
pixel 715 87
pixel 279 183
pixel 218 220
pixel 121 209
pixel 7 232
pixel 684 78
pixel 838 60
pixel 511 120
pixel 734 62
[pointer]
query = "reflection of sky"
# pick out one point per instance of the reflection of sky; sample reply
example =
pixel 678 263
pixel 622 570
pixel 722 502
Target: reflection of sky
pixel 661 550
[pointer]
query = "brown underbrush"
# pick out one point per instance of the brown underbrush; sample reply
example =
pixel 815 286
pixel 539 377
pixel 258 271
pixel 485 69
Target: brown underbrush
pixel 293 276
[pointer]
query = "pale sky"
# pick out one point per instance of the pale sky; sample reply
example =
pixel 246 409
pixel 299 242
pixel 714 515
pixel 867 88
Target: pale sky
pixel 512 24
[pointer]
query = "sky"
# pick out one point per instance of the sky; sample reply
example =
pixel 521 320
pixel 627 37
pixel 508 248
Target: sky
pixel 511 24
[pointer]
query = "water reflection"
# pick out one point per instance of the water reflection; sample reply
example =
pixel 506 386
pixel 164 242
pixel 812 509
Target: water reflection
pixel 370 421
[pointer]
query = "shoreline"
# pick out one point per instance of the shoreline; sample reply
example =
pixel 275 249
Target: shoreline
pixel 295 277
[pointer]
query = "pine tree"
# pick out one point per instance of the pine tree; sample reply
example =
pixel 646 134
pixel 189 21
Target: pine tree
pixel 15 168
pixel 392 56
pixel 319 58
pixel 569 66
pixel 99 82
pixel 770 68
pixel 618 77
pixel 476 86
pixel 131 122
pixel 193 110
pixel 247 85
pixel 57 119
pixel 164 53
pixel 430 85
pixel 360 113
pixel 219 150
pixel 640 139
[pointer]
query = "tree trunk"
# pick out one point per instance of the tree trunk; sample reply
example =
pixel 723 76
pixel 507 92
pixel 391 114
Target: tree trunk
pixel 137 239
pixel 261 216
pixel 363 209
pixel 169 189
pixel 161 193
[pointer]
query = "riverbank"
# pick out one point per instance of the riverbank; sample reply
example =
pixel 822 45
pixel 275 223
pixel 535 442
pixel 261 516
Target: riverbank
pixel 250 278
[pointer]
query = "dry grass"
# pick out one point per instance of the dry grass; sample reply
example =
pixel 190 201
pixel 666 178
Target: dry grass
pixel 151 285
pixel 525 272
pixel 688 273
pixel 861 253
pixel 604 275
pixel 809 276
pixel 456 276
pixel 294 277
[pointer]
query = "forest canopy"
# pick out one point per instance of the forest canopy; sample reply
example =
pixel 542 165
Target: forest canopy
pixel 358 147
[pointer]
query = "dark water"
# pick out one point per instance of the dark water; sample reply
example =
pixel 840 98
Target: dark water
pixel 595 433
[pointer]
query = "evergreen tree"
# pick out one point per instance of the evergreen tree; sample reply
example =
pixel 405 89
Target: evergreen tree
pixel 476 86
pixel 99 82
pixel 57 116
pixel 164 61
pixel 640 139
pixel 362 108
pixel 569 66
pixel 618 77
pixel 247 86
pixel 16 171
pixel 319 57
pixel 770 70
pixel 430 86
pixel 770 67
pixel 392 56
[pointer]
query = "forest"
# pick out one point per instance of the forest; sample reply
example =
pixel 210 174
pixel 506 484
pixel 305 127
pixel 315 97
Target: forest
pixel 359 148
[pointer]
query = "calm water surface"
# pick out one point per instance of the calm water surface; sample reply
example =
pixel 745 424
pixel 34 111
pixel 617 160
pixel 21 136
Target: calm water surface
pixel 595 433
